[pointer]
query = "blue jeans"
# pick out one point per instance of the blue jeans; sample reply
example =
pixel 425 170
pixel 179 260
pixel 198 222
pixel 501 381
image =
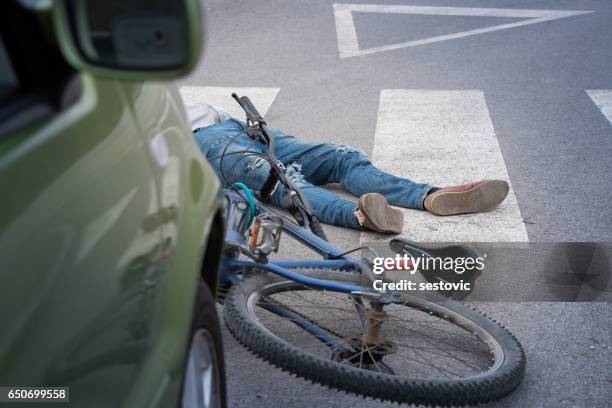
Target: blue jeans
pixel 309 165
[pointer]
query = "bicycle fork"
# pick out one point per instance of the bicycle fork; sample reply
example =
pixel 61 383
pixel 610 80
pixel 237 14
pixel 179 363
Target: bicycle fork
pixel 376 316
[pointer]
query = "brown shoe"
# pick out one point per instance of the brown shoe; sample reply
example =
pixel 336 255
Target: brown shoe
pixel 376 214
pixel 481 196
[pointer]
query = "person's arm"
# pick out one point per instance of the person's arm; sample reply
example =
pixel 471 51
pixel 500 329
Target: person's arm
pixel 204 115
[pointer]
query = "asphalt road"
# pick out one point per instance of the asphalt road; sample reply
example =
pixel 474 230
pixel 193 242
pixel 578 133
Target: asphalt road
pixel 554 140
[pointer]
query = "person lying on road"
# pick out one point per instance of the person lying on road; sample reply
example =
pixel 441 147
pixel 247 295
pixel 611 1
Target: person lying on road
pixel 223 141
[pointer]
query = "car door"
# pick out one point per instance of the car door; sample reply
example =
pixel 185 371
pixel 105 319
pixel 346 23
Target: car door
pixel 189 219
pixel 77 250
pixel 189 192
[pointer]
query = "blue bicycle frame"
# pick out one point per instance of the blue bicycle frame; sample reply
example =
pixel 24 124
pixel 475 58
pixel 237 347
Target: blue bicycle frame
pixel 333 257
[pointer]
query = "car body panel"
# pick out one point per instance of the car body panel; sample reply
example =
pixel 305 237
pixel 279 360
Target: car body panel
pixel 185 182
pixel 101 246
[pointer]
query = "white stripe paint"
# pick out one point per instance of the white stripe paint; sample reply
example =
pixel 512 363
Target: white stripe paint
pixel 603 99
pixel 219 96
pixel 348 44
pixel 444 138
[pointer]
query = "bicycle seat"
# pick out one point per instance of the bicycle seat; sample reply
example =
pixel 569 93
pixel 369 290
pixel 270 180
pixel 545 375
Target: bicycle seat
pixel 438 272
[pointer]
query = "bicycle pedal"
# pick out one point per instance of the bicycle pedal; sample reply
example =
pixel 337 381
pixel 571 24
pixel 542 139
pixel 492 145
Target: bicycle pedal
pixel 265 234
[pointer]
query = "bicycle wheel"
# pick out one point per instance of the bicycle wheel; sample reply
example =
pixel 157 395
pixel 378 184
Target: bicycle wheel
pixel 426 353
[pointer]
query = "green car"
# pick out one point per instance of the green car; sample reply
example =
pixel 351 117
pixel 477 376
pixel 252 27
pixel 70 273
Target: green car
pixel 111 222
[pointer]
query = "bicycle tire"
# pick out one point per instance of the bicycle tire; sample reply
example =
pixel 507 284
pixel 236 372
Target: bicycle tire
pixel 264 344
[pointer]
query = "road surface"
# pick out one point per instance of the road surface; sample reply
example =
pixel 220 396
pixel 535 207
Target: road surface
pixel 444 92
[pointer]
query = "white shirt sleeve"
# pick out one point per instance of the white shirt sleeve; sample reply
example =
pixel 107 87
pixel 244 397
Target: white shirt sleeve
pixel 202 114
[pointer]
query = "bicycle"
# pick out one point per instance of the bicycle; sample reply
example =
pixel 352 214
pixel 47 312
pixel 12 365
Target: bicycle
pixel 321 319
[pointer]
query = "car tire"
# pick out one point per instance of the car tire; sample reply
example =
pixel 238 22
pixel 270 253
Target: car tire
pixel 203 383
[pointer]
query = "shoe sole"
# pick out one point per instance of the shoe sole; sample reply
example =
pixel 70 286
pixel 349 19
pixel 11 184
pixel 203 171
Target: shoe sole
pixel 484 197
pixel 380 216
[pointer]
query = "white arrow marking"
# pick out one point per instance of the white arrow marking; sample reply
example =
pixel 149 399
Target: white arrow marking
pixel 348 44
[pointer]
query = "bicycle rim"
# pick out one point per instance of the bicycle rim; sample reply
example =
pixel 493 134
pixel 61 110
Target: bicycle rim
pixel 425 348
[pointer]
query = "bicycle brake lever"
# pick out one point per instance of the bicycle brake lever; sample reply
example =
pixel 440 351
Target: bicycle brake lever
pixel 253 133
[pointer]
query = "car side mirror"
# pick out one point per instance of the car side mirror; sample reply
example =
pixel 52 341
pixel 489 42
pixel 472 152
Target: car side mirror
pixel 130 39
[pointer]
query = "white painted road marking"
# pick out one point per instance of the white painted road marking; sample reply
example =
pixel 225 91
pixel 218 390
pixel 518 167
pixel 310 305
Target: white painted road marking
pixel 439 137
pixel 348 44
pixel 219 96
pixel 444 138
pixel 603 100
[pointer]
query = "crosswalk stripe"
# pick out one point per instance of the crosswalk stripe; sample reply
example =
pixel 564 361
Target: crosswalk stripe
pixel 444 138
pixel 603 99
pixel 220 96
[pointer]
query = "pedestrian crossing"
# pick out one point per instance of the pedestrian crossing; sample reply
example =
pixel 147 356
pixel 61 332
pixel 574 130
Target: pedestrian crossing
pixel 442 137
pixel 220 96
pixel 445 138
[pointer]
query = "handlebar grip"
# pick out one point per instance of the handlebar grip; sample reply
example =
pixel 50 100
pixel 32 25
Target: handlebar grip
pixel 248 107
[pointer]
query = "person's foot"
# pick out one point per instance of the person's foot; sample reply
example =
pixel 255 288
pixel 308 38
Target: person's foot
pixel 375 214
pixel 481 196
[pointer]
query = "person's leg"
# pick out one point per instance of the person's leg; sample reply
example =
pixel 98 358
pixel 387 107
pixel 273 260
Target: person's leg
pixel 372 212
pixel 230 151
pixel 323 163
pixel 329 163
pixel 328 207
pixel 253 171
pixel 234 157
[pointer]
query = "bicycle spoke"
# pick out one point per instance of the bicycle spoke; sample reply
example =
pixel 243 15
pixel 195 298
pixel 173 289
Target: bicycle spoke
pixel 438 347
pixel 443 353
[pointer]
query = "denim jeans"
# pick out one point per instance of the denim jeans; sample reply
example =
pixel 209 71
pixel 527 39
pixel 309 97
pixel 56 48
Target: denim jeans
pixel 309 165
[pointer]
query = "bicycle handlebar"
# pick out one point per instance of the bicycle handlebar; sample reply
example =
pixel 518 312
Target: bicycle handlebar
pixel 277 170
pixel 248 107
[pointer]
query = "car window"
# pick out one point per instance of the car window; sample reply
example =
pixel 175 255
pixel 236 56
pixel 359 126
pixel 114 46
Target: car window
pixel 35 79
